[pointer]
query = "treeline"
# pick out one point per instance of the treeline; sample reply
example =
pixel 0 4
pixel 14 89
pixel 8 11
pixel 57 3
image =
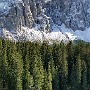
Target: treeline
pixel 36 66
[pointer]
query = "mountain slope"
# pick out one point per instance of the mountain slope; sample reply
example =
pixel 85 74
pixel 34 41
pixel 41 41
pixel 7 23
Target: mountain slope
pixel 44 20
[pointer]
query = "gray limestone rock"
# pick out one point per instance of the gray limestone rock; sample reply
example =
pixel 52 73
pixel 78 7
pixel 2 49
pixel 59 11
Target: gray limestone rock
pixel 75 14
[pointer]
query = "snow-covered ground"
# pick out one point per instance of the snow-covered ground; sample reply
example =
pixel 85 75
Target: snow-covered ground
pixel 59 33
pixel 35 35
pixel 82 35
pixel 47 1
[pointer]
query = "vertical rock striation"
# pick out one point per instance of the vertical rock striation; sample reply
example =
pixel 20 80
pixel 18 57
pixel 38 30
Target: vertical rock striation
pixel 23 13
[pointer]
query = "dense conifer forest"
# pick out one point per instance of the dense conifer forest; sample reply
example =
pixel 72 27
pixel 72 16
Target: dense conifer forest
pixel 40 66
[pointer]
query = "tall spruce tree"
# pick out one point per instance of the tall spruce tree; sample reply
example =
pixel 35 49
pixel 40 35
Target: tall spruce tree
pixel 27 77
pixel 78 70
pixel 45 86
pixel 38 72
pixel 17 68
pixel 1 64
pixel 44 55
pixel 4 65
pixel 70 58
pixel 64 69
pixel 84 76
pixel 55 80
pixel 49 78
pixel 75 80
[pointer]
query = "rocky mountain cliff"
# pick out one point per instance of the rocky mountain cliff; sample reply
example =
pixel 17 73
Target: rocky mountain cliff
pixel 75 14
pixel 22 13
pixel 45 15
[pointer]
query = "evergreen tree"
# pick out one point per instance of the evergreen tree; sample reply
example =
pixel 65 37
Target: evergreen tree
pixel 57 55
pixel 38 72
pixel 4 66
pixel 11 78
pixel 38 75
pixel 84 76
pixel 27 77
pixel 73 79
pixel 44 55
pixel 78 70
pixel 70 58
pixel 45 86
pixel 55 80
pixel 17 68
pixel 87 60
pixel 1 65
pixel 64 69
pixel 76 75
pixel 49 78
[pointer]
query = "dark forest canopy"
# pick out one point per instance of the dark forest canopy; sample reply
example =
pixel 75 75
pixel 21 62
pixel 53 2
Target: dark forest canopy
pixel 36 66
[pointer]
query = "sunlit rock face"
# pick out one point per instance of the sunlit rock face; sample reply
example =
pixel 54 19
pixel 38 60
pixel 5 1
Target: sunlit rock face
pixel 75 14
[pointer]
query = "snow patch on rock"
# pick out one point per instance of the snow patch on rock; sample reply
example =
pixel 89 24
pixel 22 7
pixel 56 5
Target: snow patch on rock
pixel 78 34
pixel 26 34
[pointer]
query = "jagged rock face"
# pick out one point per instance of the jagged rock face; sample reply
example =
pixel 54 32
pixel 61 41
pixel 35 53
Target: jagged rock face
pixel 23 13
pixel 33 20
pixel 18 14
pixel 75 14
